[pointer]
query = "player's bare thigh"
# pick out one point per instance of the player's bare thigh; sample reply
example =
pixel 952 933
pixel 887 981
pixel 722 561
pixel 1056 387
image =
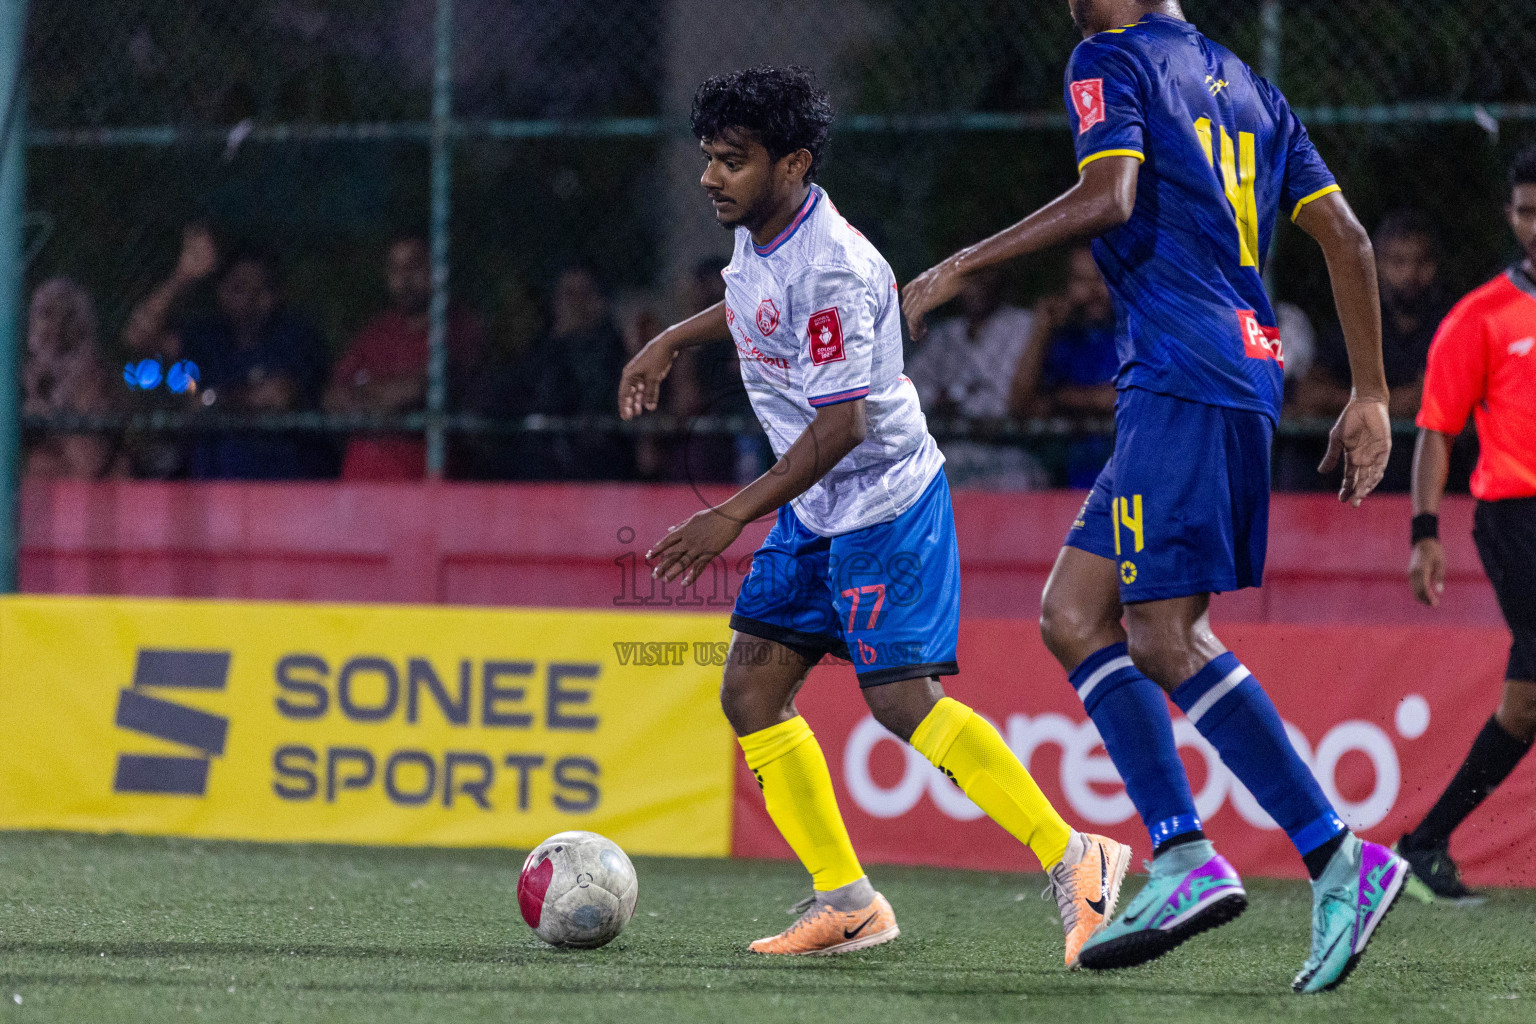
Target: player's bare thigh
pixel 761 680
pixel 1080 610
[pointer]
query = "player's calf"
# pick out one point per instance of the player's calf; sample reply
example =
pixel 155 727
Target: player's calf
pixel 1080 610
pixel 760 682
pixel 902 706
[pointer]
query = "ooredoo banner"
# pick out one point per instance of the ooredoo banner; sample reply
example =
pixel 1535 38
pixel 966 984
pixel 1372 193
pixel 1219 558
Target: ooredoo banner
pixel 377 724
pixel 1383 716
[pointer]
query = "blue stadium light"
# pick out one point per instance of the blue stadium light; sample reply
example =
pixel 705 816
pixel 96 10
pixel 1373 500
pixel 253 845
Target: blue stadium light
pixel 143 375
pixel 183 376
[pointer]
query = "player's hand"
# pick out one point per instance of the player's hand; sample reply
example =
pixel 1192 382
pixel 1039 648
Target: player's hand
pixel 1362 438
pixel 1426 571
pixel 687 549
pixel 199 255
pixel 640 383
pixel 927 292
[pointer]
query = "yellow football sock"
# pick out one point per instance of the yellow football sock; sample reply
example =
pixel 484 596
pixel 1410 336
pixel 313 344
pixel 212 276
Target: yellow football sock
pixel 797 787
pixel 966 747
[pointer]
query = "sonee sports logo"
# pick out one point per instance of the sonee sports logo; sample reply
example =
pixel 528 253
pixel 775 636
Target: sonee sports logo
pixel 154 716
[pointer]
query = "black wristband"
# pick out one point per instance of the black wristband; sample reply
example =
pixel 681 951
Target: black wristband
pixel 1426 526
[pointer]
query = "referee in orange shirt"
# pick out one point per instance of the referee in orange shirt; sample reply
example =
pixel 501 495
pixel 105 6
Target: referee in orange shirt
pixel 1483 363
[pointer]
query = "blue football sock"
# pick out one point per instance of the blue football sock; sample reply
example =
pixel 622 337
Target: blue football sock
pixel 1233 712
pixel 1132 717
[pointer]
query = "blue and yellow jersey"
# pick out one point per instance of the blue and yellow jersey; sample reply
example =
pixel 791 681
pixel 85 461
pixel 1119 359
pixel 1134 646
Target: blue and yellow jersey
pixel 1222 156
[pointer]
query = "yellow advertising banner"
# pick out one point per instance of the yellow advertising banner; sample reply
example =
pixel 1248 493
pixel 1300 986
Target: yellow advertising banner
pixel 363 724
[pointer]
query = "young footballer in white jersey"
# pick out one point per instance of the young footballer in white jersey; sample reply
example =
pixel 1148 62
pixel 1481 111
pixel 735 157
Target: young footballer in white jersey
pixel 862 561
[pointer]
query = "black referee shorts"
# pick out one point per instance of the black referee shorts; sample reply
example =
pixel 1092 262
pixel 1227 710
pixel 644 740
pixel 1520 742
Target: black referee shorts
pixel 1505 532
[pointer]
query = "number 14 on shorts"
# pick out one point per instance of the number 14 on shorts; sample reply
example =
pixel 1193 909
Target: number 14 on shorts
pixel 1126 512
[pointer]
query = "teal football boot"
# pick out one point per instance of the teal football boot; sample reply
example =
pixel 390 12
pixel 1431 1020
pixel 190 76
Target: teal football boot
pixel 1356 890
pixel 1192 889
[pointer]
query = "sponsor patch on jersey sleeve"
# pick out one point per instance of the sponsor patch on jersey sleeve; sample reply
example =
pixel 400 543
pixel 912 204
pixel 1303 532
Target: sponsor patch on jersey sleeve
pixel 1088 99
pixel 826 337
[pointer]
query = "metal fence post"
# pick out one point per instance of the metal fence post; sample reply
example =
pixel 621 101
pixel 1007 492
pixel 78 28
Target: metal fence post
pixel 13 31
pixel 1272 28
pixel 1269 45
pixel 442 181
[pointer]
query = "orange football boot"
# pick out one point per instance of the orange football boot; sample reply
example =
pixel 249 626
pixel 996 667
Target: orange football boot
pixel 822 931
pixel 1086 892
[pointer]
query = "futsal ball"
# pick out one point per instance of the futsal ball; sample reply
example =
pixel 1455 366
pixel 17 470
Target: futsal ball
pixel 577 890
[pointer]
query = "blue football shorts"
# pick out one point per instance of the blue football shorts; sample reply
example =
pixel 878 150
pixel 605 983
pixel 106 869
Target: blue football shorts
pixel 886 597
pixel 1182 507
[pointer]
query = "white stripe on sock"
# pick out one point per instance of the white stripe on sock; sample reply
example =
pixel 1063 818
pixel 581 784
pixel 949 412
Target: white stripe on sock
pixel 1102 672
pixel 1215 694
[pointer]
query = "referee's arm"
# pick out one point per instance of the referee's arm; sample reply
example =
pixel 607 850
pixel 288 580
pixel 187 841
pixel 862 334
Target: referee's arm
pixel 1454 383
pixel 1431 463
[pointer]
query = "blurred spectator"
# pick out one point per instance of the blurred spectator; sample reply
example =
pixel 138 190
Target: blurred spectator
pixel 385 369
pixel 572 371
pixel 64 374
pixel 1412 305
pixel 966 366
pixel 1070 360
pixel 963 369
pixel 1069 364
pixel 1298 342
pixel 706 381
pixel 253 357
pixel 516 321
pixel 1294 460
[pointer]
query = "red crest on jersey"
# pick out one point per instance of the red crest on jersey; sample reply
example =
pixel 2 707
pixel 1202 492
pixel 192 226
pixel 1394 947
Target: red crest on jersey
pixel 826 336
pixel 1259 342
pixel 1088 98
pixel 767 317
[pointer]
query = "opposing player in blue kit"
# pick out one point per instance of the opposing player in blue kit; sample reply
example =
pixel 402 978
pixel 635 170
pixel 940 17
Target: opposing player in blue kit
pixel 1186 159
pixel 862 561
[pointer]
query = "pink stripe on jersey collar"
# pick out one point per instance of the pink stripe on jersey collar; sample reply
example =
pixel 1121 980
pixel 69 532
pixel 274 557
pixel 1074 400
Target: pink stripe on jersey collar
pixel 783 236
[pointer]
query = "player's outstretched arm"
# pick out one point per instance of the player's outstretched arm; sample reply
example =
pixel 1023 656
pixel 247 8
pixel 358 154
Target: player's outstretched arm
pixel 1362 437
pixel 640 383
pixel 1431 465
pixel 689 547
pixel 1103 199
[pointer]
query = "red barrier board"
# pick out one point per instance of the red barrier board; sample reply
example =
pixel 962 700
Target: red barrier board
pixel 1383 714
pixel 579 545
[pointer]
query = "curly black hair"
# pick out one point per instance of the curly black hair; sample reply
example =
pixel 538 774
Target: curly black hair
pixel 784 109
pixel 1523 170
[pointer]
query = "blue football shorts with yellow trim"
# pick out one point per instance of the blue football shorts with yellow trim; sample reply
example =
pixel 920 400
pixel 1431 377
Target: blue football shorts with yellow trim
pixel 1182 507
pixel 886 597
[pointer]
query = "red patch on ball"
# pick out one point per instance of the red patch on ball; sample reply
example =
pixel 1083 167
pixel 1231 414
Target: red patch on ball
pixel 532 884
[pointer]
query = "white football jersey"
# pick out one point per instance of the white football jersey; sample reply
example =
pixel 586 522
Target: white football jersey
pixel 816 321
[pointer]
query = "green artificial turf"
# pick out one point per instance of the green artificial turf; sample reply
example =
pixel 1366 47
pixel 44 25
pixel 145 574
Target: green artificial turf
pixel 125 930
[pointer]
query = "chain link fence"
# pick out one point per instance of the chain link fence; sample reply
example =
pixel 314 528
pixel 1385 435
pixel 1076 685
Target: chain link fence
pixel 525 138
